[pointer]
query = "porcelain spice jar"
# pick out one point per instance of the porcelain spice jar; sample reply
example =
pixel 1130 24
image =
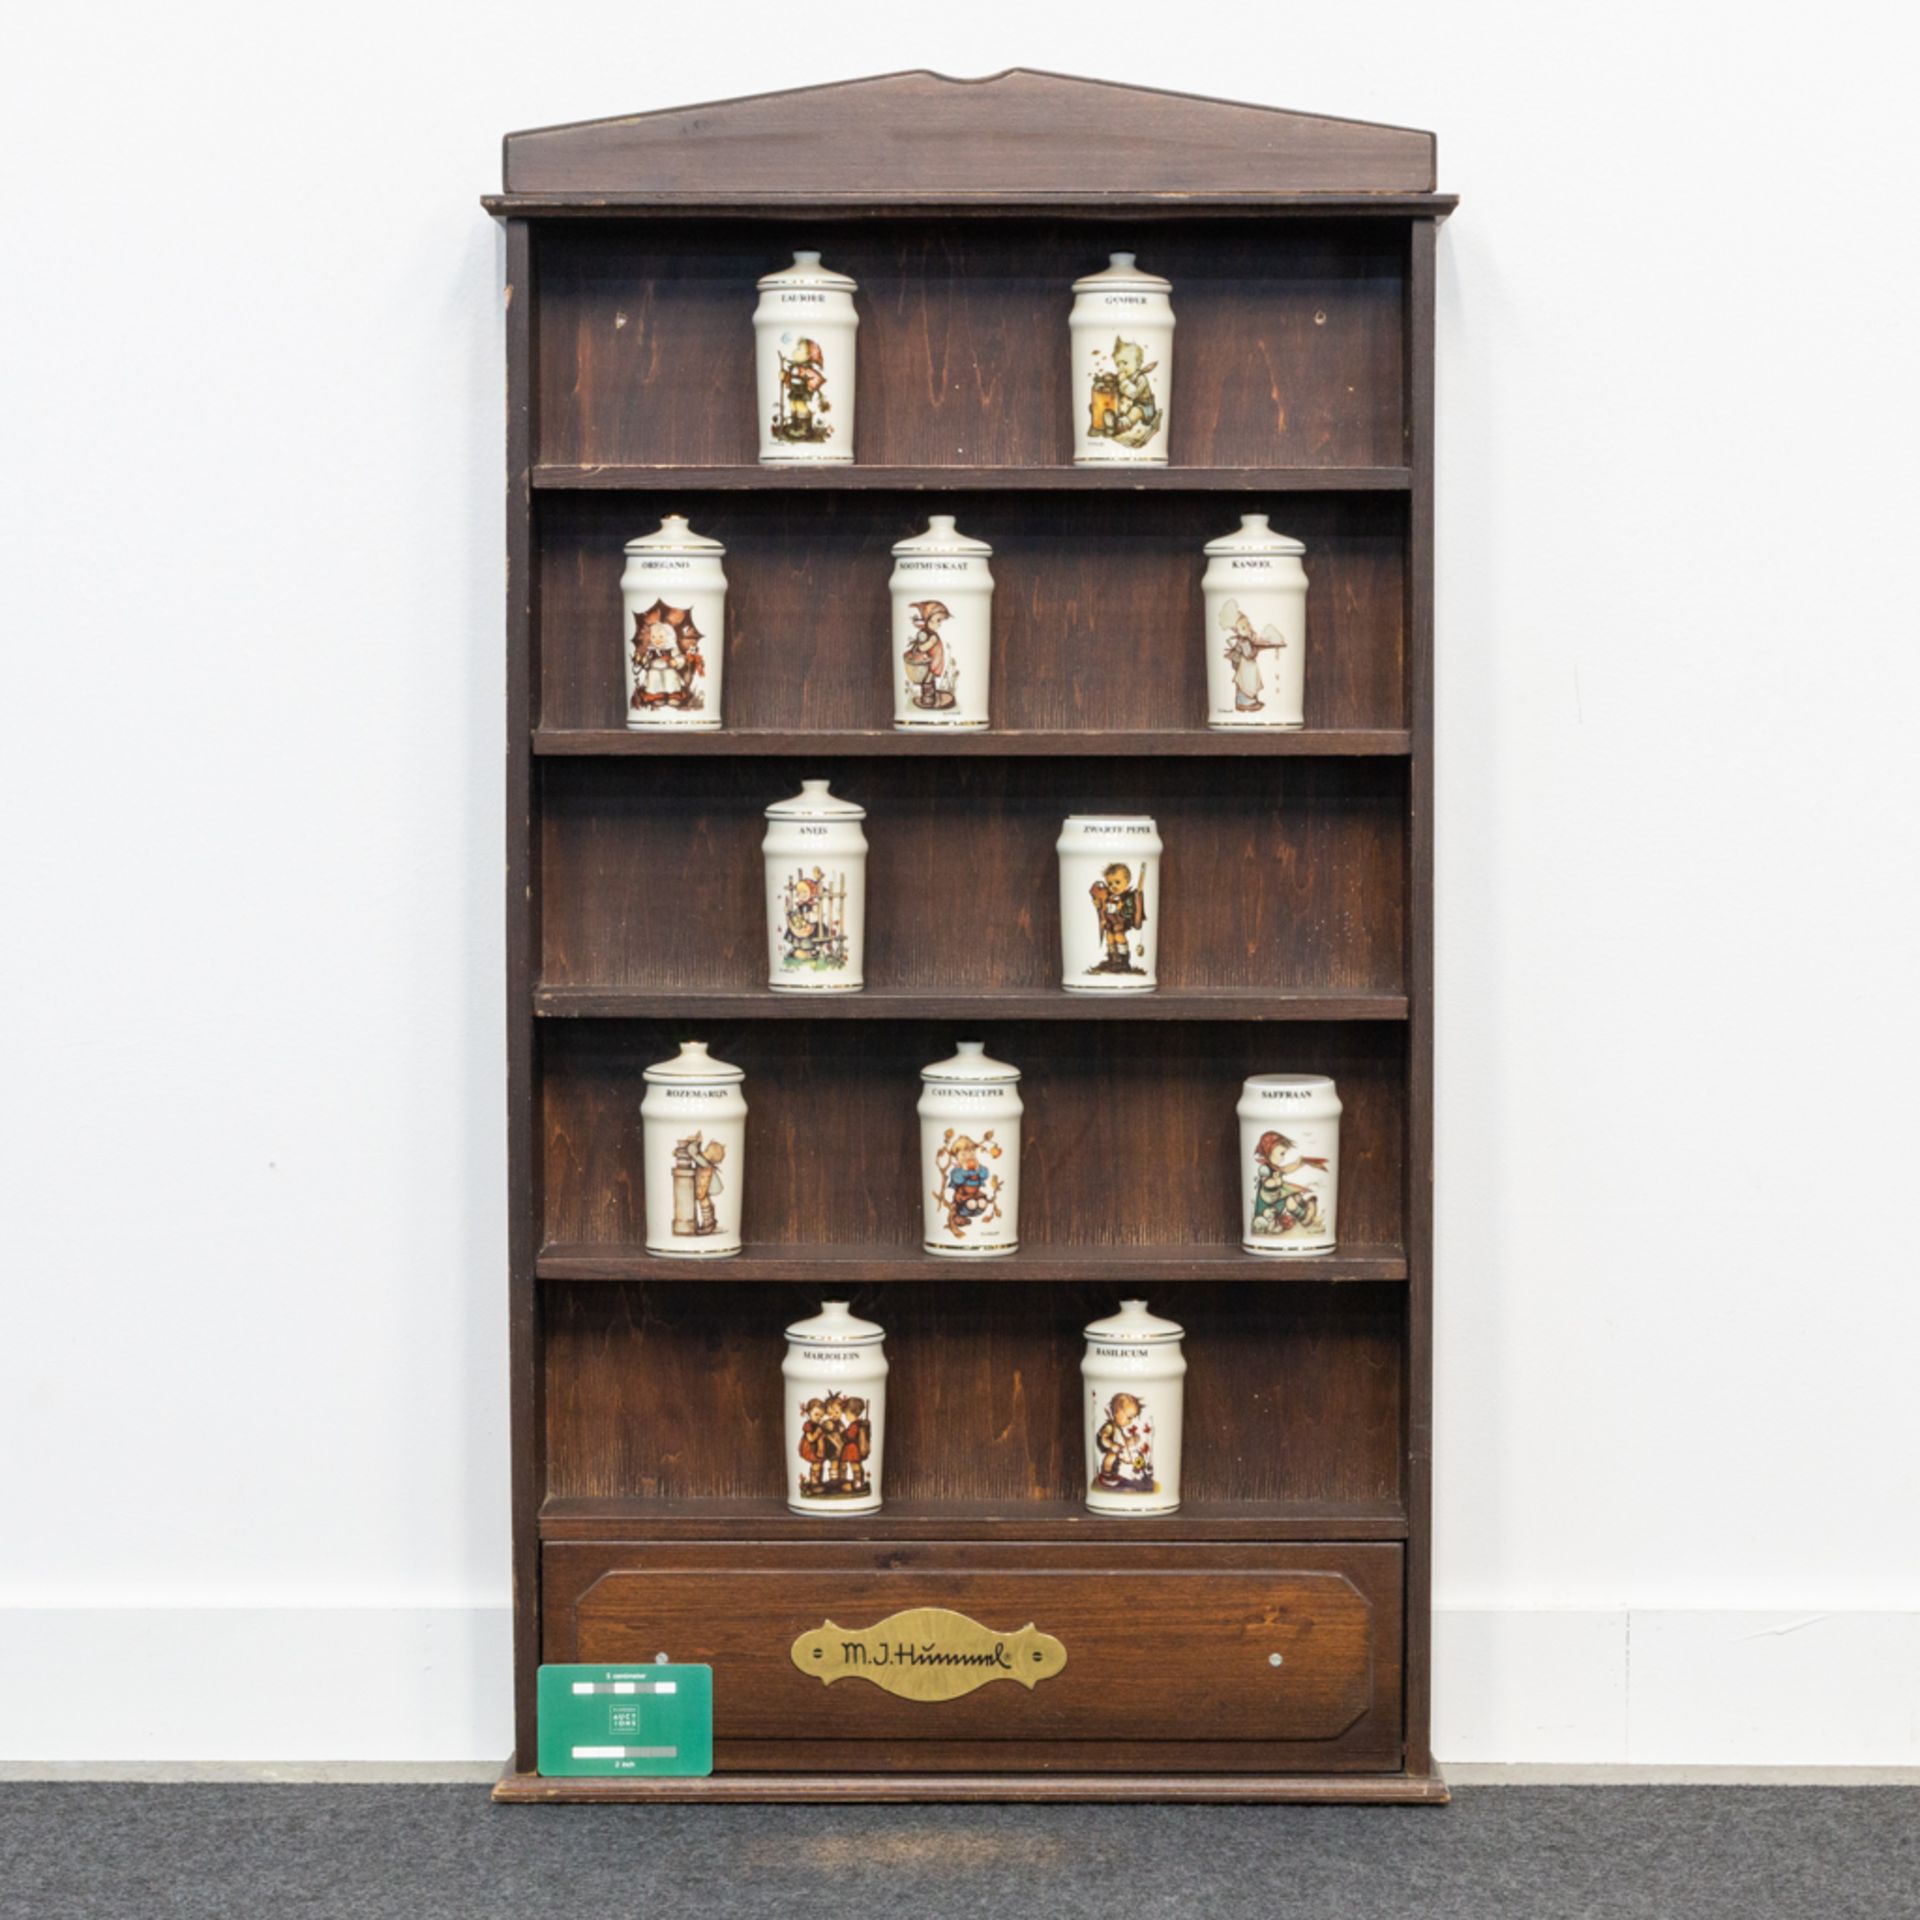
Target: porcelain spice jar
pixel 1133 1393
pixel 1109 903
pixel 836 1386
pixel 1289 1163
pixel 675 596
pixel 1256 595
pixel 803 345
pixel 970 1155
pixel 816 859
pixel 1122 334
pixel 942 628
pixel 693 1125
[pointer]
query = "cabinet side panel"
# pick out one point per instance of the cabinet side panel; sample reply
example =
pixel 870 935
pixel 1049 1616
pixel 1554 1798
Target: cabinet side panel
pixel 1423 244
pixel 526 1415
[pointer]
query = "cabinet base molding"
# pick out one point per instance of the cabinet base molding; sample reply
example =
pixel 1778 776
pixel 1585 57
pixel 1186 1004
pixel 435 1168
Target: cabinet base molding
pixel 1419 1789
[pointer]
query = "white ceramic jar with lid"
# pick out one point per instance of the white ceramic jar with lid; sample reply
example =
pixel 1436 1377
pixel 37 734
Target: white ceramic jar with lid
pixel 836 1384
pixel 1289 1163
pixel 675 595
pixel 1122 334
pixel 1134 1396
pixel 942 628
pixel 970 1110
pixel 816 868
pixel 1109 903
pixel 693 1125
pixel 803 332
pixel 1255 589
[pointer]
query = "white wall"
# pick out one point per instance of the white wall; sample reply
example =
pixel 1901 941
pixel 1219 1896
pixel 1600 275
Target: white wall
pixel 253 1354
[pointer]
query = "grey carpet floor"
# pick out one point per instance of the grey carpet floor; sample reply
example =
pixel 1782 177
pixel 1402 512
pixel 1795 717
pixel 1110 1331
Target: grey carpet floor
pixel 100 1852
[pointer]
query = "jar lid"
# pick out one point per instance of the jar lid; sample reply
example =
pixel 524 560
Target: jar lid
pixel 1290 1082
pixel 814 802
pixel 972 1066
pixel 1254 535
pixel 691 1063
pixel 1120 275
pixel 806 274
pixel 941 536
pixel 674 536
pixel 1134 1324
pixel 836 1325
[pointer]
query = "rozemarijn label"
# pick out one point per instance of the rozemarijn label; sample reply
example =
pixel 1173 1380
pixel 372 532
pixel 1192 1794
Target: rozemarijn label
pixel 929 1653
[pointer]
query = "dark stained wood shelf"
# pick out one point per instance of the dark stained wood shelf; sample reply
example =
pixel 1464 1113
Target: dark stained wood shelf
pixel 651 1467
pixel 935 1003
pixel 988 744
pixel 632 479
pixel 850 1266
pixel 742 1519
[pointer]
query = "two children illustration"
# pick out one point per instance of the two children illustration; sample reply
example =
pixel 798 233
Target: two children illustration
pixel 836 1442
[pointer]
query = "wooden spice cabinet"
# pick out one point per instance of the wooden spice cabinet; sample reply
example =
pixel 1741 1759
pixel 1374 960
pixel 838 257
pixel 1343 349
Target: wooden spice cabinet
pixel 1270 1640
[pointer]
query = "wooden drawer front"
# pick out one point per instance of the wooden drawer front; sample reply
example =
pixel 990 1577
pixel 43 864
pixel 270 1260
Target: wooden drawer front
pixel 1162 1642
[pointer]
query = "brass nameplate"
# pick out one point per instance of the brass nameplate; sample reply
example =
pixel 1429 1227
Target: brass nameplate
pixel 929 1653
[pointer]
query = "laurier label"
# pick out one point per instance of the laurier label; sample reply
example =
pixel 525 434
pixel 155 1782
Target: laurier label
pixel 929 1653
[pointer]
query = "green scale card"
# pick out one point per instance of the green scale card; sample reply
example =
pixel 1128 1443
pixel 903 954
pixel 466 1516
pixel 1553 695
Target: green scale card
pixel 627 1722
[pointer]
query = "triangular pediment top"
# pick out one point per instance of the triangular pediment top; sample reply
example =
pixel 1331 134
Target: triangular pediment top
pixel 906 135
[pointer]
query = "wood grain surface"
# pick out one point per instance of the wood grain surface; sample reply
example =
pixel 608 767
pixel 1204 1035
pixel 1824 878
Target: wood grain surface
pixel 734 1518
pixel 1098 618
pixel 1287 348
pixel 1015 132
pixel 868 478
pixel 1291 880
pixel 1130 1137
pixel 838 1267
pixel 655 1392
pixel 1220 1614
pixel 1024 743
